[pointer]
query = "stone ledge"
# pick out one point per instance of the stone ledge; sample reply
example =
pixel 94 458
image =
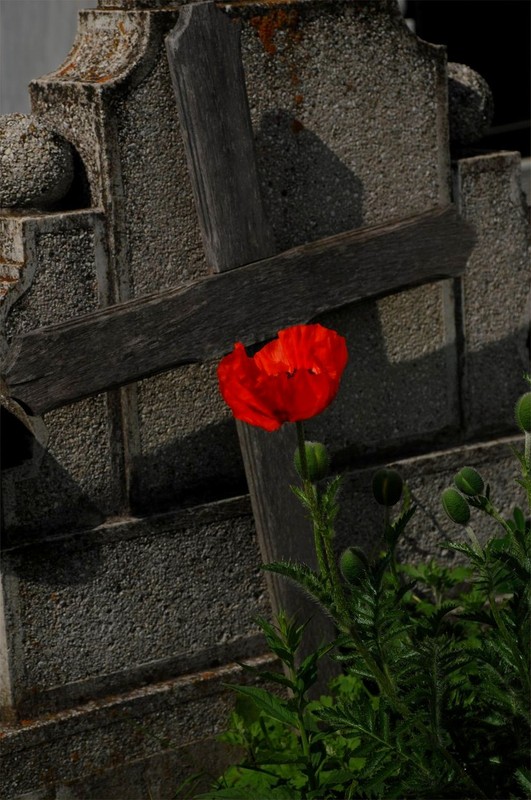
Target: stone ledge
pixel 129 603
pixel 427 476
pixel 110 733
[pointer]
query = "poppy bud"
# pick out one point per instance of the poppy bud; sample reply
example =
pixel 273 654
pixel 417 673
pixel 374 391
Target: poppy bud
pixel 317 461
pixel 522 412
pixel 387 487
pixel 469 481
pixel 455 506
pixel 353 564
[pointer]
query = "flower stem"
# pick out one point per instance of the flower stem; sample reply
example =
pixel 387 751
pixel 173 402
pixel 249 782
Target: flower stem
pixel 302 449
pixel 312 498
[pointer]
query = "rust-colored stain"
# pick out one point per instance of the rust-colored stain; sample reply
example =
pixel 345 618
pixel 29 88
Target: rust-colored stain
pixel 280 19
pixel 206 675
pixel 121 27
pixel 299 99
pixel 74 757
pixel 296 126
pixel 49 775
pixel 91 75
pixel 67 68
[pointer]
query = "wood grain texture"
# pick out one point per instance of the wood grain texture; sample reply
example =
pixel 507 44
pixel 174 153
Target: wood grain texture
pixel 205 64
pixel 218 136
pixel 59 364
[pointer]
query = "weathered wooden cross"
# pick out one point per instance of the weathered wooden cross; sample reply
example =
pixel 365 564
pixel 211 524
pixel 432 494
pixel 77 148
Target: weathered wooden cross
pixel 253 291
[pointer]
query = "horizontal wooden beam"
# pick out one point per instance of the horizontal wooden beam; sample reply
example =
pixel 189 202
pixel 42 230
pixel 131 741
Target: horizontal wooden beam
pixel 53 366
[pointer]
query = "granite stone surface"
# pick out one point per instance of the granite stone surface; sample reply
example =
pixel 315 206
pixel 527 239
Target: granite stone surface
pixel 496 291
pixel 36 164
pixel 92 612
pixel 361 519
pixel 159 733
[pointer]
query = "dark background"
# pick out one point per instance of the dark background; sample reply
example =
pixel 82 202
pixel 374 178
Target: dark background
pixel 494 38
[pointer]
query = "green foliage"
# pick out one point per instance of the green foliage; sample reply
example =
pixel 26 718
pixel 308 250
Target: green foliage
pixel 434 699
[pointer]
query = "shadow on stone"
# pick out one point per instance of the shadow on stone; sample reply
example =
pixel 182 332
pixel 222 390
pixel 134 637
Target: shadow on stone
pixel 307 190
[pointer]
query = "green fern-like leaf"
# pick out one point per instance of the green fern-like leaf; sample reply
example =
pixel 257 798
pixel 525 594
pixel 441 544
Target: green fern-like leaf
pixel 305 577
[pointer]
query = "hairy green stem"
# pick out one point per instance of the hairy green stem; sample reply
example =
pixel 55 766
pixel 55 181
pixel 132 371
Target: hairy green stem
pixel 493 512
pixel 387 530
pixel 527 467
pixel 305 742
pixel 306 751
pixel 311 496
pixel 388 689
pixel 302 449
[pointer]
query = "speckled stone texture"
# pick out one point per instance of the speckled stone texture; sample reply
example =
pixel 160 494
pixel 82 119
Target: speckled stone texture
pixel 337 147
pixel 93 613
pixel 36 164
pixel 470 104
pixel 140 4
pixel 63 274
pixel 496 293
pixel 427 476
pixel 136 745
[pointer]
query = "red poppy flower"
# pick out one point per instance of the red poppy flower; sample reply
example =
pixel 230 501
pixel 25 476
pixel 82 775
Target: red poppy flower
pixel 294 377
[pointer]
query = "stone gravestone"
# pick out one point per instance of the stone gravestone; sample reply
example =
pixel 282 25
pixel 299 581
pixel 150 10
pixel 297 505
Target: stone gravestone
pixel 130 568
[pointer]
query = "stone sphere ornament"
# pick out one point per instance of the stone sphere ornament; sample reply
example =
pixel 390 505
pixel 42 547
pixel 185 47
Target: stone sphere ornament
pixel 470 104
pixel 36 163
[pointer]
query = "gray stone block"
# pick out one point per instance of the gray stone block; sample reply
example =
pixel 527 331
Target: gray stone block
pixel 162 732
pixel 92 613
pixel 63 275
pixel 496 291
pixel 188 444
pixel 361 519
pixel 349 111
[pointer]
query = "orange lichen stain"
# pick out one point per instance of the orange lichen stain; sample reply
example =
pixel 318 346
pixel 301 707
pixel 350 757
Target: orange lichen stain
pixel 296 126
pixel 67 68
pixel 121 27
pixel 294 77
pixel 206 675
pixel 267 26
pixel 48 775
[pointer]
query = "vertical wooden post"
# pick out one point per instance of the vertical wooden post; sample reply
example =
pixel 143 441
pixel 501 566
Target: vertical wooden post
pixel 207 73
